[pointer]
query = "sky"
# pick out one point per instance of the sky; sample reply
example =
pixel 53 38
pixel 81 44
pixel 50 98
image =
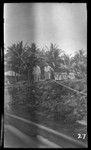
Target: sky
pixel 63 24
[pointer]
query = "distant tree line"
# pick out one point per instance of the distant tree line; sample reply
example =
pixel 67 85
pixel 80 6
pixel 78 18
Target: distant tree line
pixel 22 58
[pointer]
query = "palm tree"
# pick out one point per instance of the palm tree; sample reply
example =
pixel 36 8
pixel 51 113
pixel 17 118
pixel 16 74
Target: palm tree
pixel 13 57
pixel 31 61
pixel 53 57
pixel 67 63
pixel 79 63
pixel 21 59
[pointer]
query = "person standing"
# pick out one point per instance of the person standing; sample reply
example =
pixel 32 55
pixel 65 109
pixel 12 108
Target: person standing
pixel 47 70
pixel 37 73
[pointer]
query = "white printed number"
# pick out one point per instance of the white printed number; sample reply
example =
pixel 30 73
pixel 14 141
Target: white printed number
pixel 81 136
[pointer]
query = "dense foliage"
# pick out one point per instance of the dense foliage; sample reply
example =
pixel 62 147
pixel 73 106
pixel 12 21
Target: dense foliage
pixel 52 100
pixel 22 58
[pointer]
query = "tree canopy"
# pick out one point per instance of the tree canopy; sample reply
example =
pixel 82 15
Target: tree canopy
pixel 22 58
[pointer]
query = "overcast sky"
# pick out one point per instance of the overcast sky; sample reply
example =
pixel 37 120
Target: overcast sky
pixel 64 24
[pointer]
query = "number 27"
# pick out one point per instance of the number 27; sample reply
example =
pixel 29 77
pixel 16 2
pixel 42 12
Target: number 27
pixel 81 136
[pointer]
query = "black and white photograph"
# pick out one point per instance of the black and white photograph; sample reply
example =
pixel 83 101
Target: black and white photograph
pixel 45 75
